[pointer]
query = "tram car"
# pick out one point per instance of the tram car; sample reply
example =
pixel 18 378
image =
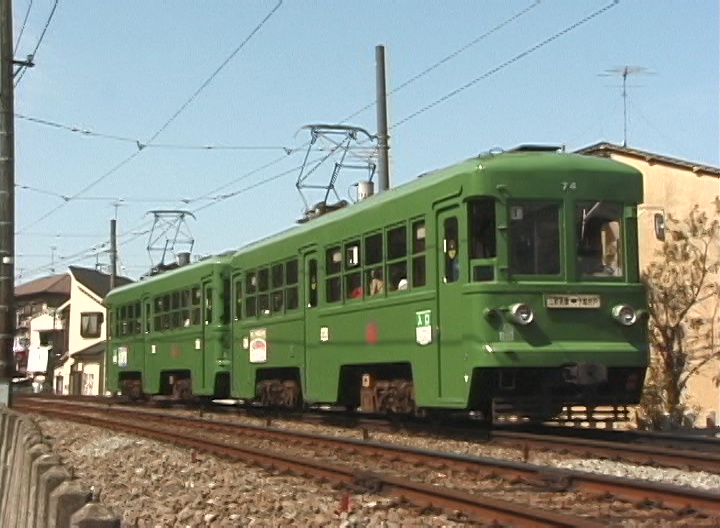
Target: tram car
pixel 506 285
pixel 168 334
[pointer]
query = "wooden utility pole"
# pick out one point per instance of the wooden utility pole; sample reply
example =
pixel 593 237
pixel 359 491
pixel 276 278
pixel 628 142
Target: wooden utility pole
pixel 382 121
pixel 7 203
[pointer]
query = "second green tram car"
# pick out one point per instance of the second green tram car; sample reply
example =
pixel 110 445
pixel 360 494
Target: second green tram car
pixel 507 284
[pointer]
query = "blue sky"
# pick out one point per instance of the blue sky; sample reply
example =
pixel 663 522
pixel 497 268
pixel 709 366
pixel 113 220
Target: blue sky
pixel 124 69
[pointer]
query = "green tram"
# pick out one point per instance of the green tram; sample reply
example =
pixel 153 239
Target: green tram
pixel 169 334
pixel 505 285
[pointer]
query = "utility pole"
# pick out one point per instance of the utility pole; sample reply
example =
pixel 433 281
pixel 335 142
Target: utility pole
pixel 113 252
pixel 7 203
pixel 382 121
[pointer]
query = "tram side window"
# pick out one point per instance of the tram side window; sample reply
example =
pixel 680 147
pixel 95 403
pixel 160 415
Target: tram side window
pixel 374 264
pixel 165 317
pixel 451 248
pixel 137 320
pixel 250 299
pixel 534 238
pixel 291 285
pixel 158 310
pixel 263 300
pixel 147 317
pixel 278 285
pixel 418 251
pixel 353 276
pixel 397 258
pixel 123 321
pixel 185 308
pixel 333 267
pixel 196 299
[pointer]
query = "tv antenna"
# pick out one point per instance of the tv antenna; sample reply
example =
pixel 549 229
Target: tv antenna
pixel 624 72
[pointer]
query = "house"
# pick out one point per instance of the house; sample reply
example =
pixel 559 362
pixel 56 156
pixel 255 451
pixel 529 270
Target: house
pixel 61 320
pixel 672 187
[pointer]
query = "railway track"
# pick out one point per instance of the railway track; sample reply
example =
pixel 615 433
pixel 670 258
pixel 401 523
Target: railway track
pixel 701 453
pixel 183 430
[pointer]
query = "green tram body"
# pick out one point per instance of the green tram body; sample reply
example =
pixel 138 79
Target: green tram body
pixel 520 269
pixel 168 334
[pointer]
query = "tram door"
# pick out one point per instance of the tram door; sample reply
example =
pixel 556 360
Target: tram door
pixel 312 326
pixel 147 350
pixel 449 320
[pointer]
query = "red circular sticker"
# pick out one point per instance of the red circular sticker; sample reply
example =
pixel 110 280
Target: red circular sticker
pixel 371 332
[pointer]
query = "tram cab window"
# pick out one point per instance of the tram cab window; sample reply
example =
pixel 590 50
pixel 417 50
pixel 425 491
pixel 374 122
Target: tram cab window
pixel 534 238
pixel 599 239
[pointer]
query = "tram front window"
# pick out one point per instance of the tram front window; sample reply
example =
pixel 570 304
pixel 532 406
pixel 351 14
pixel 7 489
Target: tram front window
pixel 534 238
pixel 599 239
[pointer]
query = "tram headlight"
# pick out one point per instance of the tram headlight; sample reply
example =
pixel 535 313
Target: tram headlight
pixel 624 314
pixel 521 313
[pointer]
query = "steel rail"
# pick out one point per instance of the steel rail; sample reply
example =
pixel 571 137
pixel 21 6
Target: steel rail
pixel 422 495
pixel 542 476
pixel 639 453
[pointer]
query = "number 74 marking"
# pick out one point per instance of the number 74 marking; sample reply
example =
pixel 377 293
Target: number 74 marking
pixel 569 186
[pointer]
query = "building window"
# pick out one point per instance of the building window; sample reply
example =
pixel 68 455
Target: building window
pixel 90 324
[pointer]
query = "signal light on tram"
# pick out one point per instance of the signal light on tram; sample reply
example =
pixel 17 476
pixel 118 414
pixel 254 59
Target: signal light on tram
pixel 624 314
pixel 521 313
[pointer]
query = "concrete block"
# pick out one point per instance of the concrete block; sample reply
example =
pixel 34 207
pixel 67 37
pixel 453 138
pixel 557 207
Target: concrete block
pixel 65 500
pixel 49 480
pixel 13 472
pixel 41 465
pixel 94 515
pixel 34 451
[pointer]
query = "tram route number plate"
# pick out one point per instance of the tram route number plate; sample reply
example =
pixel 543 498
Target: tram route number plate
pixel 572 301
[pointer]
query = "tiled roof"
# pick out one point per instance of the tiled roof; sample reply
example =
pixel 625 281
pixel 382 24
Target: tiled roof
pixel 92 352
pixel 56 285
pixel 97 282
pixel 605 149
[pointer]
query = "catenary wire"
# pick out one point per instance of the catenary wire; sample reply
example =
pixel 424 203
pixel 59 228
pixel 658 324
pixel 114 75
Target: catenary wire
pixel 163 127
pixel 40 39
pixel 447 58
pixel 505 64
pixel 22 28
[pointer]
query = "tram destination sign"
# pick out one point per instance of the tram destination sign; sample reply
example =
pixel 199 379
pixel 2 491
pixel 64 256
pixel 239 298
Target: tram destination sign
pixel 572 301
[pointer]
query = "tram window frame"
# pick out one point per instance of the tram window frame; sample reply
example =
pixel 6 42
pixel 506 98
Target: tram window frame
pixel 396 265
pixel 418 229
pixel 312 282
pixel 352 270
pixel 600 238
pixel 333 274
pixel 277 288
pixel 292 277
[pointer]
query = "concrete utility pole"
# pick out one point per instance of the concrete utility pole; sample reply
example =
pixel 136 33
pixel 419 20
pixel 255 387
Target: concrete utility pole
pixel 113 252
pixel 382 121
pixel 7 203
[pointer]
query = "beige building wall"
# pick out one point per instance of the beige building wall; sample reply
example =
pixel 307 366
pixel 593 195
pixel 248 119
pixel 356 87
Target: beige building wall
pixel 81 300
pixel 673 187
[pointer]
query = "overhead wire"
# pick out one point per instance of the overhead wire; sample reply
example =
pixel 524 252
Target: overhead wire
pixel 22 28
pixel 164 126
pixel 40 39
pixel 448 58
pixel 507 63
